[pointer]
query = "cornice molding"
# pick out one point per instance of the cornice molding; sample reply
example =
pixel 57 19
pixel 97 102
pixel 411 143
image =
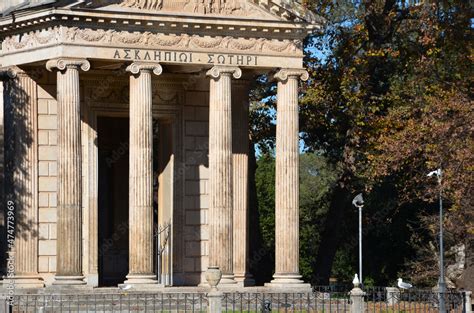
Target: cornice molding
pixel 168 23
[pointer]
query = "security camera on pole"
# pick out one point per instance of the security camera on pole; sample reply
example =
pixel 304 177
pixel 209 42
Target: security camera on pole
pixel 358 202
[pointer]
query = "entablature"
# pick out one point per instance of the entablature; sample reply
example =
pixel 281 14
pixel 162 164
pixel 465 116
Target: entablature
pixel 151 36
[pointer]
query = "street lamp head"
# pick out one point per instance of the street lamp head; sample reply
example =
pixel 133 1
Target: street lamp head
pixel 437 173
pixel 358 201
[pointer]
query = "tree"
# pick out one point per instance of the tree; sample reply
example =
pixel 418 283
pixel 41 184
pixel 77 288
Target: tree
pixel 389 100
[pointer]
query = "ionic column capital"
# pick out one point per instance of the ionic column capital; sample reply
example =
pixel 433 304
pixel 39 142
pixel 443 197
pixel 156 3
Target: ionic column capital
pixel 65 63
pixel 138 67
pixel 7 73
pixel 285 73
pixel 219 70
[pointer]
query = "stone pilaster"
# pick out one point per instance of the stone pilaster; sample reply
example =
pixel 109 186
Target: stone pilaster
pixel 287 180
pixel 69 206
pixel 220 165
pixel 141 174
pixel 240 149
pixel 20 96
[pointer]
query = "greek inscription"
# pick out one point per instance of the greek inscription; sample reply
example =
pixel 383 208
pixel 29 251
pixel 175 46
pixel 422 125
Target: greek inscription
pixel 184 57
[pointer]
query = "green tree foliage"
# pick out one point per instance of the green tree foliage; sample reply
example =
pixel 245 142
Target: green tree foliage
pixel 388 102
pixel 317 177
pixel 389 99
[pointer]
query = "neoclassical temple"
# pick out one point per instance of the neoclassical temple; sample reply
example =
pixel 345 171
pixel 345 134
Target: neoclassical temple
pixel 125 139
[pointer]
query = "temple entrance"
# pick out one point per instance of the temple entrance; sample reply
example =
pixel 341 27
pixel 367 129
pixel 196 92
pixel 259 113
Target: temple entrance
pixel 113 194
pixel 113 144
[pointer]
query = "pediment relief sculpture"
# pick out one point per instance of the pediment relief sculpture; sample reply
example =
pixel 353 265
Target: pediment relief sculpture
pixel 242 8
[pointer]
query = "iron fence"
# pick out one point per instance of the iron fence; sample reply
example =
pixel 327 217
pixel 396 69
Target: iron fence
pixel 285 302
pixel 320 300
pixel 125 302
pixel 381 299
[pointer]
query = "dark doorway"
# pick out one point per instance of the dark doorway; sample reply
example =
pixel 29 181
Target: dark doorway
pixel 113 146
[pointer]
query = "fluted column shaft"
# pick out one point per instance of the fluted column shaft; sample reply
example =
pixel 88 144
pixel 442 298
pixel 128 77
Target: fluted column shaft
pixel 287 178
pixel 141 174
pixel 21 116
pixel 69 207
pixel 220 165
pixel 240 143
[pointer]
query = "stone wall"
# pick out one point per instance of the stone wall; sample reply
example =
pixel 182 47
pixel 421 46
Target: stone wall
pixel 196 202
pixel 47 172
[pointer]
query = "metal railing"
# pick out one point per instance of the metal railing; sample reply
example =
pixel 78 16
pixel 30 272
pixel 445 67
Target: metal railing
pixel 381 299
pixel 321 299
pixel 130 302
pixel 285 302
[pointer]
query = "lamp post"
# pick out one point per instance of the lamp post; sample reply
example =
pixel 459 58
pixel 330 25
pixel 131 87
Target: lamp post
pixel 441 282
pixel 358 202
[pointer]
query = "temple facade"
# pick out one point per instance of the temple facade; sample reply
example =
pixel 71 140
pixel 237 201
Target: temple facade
pixel 125 139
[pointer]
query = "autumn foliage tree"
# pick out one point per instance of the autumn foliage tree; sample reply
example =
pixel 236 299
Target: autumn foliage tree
pixel 389 101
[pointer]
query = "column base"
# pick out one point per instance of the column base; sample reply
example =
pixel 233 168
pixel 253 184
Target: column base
pixel 68 280
pixel 93 280
pixel 227 279
pixel 141 282
pixel 25 281
pixel 245 280
pixel 292 281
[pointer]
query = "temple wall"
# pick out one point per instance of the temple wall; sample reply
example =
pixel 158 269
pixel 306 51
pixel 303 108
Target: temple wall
pixel 196 202
pixel 47 175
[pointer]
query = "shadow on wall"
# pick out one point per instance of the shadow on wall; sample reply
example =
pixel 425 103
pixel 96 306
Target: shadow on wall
pixel 20 120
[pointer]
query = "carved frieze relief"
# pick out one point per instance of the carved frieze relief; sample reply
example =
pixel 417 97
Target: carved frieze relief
pixel 241 8
pixel 32 39
pixel 148 40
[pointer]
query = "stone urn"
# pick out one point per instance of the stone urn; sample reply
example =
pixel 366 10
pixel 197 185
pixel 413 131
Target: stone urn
pixel 213 276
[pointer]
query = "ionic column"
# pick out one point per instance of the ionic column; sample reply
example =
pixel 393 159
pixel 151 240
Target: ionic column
pixel 69 207
pixel 21 175
pixel 287 180
pixel 240 148
pixel 220 166
pixel 141 174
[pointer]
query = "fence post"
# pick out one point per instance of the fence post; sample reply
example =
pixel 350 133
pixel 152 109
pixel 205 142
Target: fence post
pixel 393 295
pixel 213 277
pixel 357 299
pixel 4 304
pixel 467 301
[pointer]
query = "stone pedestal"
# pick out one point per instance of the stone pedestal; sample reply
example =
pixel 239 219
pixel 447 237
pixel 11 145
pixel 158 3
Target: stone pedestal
pixel 357 300
pixel 69 225
pixel 213 277
pixel 141 175
pixel 220 165
pixel 21 175
pixel 393 295
pixel 287 181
